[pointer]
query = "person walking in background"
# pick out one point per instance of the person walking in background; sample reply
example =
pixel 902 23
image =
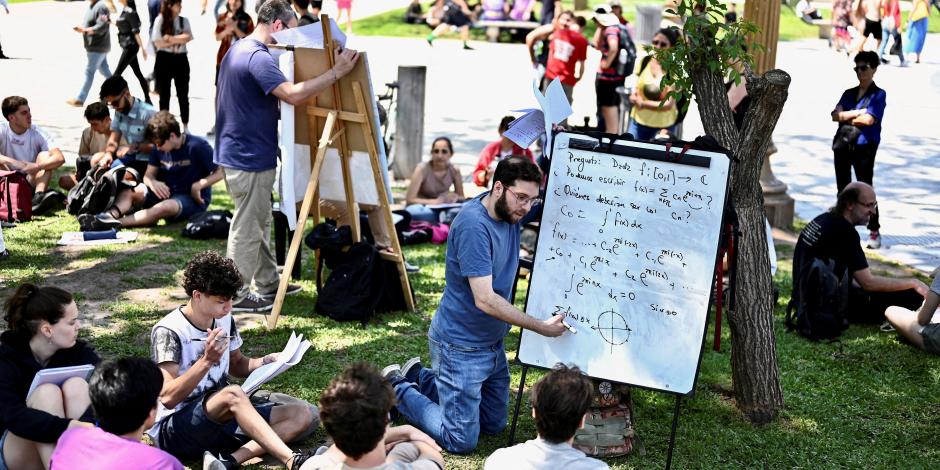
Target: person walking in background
pixel 917 29
pixel 841 19
pixel 345 6
pixel 6 8
pixel 231 26
pixel 891 28
pixel 859 113
pixel 171 32
pixel 607 41
pixel 128 25
pixel 456 14
pixel 95 31
pixel 870 11
pixel 567 51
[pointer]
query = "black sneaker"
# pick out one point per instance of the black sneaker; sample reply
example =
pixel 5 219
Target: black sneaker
pixel 410 369
pixel 102 221
pixel 218 462
pixel 86 222
pixel 298 459
pixel 392 373
pixel 291 290
pixel 48 201
pixel 253 304
pixel 4 255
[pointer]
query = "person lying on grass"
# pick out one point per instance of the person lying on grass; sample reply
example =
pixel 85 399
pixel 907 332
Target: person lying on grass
pixel 186 187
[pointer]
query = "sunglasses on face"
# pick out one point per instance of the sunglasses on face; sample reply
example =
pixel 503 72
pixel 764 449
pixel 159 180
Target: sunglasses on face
pixel 861 68
pixel 437 151
pixel 660 44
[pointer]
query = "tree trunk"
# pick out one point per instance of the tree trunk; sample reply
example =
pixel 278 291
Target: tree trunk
pixel 755 373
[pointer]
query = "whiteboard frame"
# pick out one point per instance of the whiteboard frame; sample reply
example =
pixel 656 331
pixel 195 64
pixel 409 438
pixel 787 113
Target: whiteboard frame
pixel 608 140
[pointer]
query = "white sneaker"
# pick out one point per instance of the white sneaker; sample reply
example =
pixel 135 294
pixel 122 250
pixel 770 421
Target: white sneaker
pixel 874 240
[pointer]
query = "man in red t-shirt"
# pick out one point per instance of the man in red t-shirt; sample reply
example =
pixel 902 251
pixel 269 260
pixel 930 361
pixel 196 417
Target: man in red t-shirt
pixel 568 48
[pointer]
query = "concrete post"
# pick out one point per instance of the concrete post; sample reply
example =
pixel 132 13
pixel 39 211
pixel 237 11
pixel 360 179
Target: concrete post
pixel 648 19
pixel 409 125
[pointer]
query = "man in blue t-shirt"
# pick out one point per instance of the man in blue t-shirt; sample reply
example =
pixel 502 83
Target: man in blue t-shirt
pixel 177 184
pixel 468 390
pixel 250 85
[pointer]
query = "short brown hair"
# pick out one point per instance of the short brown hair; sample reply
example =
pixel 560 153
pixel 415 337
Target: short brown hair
pixel 160 127
pixel 354 409
pixel 11 104
pixel 560 400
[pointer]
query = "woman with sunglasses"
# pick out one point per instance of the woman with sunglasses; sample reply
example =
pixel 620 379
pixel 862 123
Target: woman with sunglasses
pixel 431 183
pixel 42 333
pixel 651 115
pixel 171 33
pixel 861 107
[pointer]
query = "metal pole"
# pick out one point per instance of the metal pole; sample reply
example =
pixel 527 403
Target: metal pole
pixel 672 435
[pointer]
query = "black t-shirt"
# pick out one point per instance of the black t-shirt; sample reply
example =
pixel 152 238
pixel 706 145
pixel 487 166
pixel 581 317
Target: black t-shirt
pixel 128 24
pixel 829 237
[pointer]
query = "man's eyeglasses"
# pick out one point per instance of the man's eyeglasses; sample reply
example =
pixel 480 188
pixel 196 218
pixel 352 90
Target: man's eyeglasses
pixel 437 151
pixel 861 68
pixel 869 205
pixel 525 200
pixel 660 44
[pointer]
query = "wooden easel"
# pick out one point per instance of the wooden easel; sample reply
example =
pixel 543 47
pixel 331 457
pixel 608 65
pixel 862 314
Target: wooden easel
pixel 335 118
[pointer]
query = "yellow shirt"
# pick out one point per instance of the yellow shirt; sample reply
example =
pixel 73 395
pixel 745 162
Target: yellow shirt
pixel 652 117
pixel 920 10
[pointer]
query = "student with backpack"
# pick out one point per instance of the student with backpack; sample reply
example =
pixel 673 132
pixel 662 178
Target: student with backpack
pixel 618 55
pixel 185 190
pixel 828 259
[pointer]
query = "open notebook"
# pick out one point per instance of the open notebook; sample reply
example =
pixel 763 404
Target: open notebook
pixel 293 351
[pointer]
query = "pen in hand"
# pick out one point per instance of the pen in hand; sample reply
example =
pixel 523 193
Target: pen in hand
pixel 217 338
pixel 566 325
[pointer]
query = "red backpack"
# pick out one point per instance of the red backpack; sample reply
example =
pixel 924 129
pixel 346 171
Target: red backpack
pixel 16 197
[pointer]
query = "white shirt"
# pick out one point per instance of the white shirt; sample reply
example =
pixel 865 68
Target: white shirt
pixel 539 454
pixel 24 147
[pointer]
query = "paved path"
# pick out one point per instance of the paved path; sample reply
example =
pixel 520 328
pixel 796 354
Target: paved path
pixel 468 91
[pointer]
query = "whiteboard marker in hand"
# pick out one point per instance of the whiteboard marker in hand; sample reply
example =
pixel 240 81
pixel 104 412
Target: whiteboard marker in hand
pixel 569 327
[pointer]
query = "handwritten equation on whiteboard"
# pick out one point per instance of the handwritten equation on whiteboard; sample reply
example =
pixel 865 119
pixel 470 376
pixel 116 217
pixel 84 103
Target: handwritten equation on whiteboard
pixel 626 253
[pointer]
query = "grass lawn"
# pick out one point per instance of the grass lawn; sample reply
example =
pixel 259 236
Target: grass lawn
pixel 391 24
pixel 865 400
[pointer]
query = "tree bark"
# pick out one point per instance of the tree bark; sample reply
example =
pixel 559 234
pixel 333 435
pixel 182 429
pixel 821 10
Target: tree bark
pixel 755 374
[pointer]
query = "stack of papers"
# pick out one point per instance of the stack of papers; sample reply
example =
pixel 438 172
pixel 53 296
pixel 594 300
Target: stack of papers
pixel 554 109
pixel 292 354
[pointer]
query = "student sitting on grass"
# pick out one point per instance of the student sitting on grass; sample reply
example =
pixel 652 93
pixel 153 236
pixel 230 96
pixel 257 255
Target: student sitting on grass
pixel 91 149
pixel 559 401
pixel 197 347
pixel 42 333
pixel 917 327
pixel 28 149
pixel 354 409
pixel 124 396
pixel 189 173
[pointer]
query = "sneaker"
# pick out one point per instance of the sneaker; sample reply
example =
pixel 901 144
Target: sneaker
pixel 218 462
pixel 411 368
pixel 298 459
pixel 4 255
pixel 74 102
pixel 48 201
pixel 874 240
pixel 94 223
pixel 411 268
pixel 291 290
pixel 884 61
pixel 253 304
pixel 392 372
pixel 886 327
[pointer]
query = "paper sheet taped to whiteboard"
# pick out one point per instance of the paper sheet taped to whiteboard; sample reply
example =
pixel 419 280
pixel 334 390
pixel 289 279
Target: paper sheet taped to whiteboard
pixel 626 251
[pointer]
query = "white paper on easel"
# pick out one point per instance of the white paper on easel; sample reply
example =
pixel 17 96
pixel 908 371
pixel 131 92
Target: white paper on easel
pixel 331 176
pixel 287 177
pixel 310 36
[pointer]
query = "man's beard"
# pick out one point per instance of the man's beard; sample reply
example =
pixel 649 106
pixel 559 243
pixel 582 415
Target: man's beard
pixel 502 210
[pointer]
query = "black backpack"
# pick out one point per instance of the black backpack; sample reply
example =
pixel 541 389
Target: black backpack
pixel 208 224
pixel 819 302
pixel 626 52
pixel 354 286
pixel 97 191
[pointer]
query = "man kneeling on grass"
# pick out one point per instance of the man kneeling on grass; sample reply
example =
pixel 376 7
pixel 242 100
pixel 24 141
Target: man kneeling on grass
pixel 354 409
pixel 124 396
pixel 196 347
pixel 559 402
pixel 188 174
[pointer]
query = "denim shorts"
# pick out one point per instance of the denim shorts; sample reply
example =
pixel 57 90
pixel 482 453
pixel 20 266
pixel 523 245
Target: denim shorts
pixel 188 205
pixel 930 335
pixel 3 440
pixel 190 431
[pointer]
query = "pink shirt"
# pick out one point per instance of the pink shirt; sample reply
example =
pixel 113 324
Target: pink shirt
pixel 93 448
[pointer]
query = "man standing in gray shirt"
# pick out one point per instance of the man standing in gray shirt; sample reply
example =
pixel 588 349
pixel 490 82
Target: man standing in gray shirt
pixel 95 32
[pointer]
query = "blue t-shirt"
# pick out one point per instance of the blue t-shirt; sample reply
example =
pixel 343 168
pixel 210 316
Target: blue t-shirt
pixel 873 103
pixel 477 245
pixel 186 165
pixel 246 111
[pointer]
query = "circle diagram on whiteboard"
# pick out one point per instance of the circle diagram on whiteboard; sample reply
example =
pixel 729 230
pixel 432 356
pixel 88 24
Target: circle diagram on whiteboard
pixel 613 328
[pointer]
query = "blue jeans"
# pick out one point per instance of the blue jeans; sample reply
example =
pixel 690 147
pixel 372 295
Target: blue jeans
pixel 885 34
pixel 96 61
pixel 644 133
pixel 469 394
pixel 421 212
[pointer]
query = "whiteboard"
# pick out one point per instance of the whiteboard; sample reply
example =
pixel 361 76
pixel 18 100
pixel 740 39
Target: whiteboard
pixel 626 251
